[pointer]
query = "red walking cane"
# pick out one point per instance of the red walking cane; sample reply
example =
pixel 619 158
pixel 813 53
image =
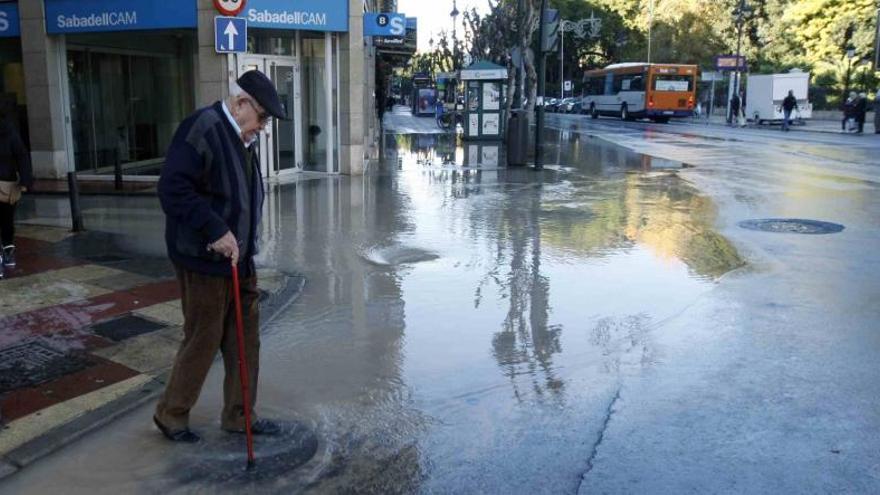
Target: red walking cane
pixel 242 368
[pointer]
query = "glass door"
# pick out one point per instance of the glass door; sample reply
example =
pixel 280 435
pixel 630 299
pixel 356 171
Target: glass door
pixel 283 74
pixel 264 141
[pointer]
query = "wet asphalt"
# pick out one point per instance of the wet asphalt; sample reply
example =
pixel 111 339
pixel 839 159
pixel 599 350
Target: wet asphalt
pixel 603 326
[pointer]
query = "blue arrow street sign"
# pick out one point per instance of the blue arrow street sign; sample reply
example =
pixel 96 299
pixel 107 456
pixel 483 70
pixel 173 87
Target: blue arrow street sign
pixel 230 34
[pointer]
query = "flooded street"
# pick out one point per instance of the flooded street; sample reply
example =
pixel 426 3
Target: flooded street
pixel 601 326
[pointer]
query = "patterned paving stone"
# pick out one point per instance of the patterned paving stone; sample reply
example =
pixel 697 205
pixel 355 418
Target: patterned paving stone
pixel 28 293
pixel 151 353
pixel 125 327
pixel 19 403
pixel 32 362
pixel 122 281
pixel 169 313
pixel 30 264
pixel 31 426
pixel 36 233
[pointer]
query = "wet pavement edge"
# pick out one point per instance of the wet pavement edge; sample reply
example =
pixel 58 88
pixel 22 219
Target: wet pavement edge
pixel 278 290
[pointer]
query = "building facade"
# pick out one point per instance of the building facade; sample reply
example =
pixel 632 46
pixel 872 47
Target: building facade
pixel 103 84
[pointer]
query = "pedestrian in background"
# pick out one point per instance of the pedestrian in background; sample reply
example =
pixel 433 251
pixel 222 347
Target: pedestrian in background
pixel 861 112
pixel 741 117
pixel 212 195
pixel 733 116
pixel 15 178
pixel 788 105
pixel 849 110
pixel 877 112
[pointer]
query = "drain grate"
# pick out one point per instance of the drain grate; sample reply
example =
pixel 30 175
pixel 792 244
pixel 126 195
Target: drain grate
pixel 34 362
pixel 125 327
pixel 792 226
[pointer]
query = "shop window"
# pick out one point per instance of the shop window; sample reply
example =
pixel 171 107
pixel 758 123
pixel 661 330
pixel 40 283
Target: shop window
pixel 127 96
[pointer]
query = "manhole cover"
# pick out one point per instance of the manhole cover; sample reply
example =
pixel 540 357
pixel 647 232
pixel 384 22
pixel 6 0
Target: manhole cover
pixel 792 226
pixel 221 457
pixel 34 362
pixel 126 327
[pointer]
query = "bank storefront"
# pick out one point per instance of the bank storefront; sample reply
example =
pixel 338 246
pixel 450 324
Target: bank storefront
pixel 132 70
pixel 297 45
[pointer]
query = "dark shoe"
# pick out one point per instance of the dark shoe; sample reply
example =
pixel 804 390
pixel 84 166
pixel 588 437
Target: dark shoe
pixel 185 435
pixel 262 427
pixel 9 256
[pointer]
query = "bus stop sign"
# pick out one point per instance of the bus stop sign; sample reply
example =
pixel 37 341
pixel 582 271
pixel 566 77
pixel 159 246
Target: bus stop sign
pixel 730 62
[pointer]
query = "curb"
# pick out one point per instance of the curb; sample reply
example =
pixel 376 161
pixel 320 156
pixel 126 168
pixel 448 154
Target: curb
pixel 289 288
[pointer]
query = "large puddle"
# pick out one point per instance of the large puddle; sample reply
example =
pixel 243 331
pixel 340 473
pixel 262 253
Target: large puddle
pixel 464 326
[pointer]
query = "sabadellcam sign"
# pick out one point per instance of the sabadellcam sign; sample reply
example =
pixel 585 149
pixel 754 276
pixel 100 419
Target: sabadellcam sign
pixel 78 16
pixel 313 15
pixel 84 16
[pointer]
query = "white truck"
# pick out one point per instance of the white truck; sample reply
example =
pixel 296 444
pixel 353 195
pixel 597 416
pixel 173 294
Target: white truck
pixel 764 95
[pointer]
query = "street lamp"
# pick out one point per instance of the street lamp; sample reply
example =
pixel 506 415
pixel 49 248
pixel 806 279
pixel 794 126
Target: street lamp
pixel 650 27
pixel 850 54
pixel 431 54
pixel 740 12
pixel 454 15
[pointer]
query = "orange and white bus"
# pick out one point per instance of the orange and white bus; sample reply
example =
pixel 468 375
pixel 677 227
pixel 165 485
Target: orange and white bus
pixel 639 90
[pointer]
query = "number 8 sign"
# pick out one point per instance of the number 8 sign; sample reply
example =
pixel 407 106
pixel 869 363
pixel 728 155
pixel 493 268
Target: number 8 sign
pixel 229 7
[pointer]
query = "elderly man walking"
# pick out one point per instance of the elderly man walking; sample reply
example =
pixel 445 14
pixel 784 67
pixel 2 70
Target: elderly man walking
pixel 212 194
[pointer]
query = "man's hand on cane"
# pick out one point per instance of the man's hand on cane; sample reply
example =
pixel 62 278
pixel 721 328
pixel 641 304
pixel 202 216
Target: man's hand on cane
pixel 227 246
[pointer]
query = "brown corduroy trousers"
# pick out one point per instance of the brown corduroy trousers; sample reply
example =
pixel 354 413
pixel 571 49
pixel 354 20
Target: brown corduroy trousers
pixel 209 325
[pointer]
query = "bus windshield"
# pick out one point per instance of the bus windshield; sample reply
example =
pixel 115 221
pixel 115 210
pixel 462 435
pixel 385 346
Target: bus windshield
pixel 672 82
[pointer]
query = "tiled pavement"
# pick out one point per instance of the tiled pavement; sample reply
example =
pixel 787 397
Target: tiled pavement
pixel 87 332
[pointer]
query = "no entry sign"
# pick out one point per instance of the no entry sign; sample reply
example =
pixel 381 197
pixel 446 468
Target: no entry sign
pixel 229 7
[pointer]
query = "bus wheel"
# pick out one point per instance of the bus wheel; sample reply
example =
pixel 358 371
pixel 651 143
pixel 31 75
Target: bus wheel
pixel 624 112
pixel 593 112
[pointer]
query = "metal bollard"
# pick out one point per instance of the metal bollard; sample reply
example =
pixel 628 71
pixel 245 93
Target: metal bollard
pixel 75 212
pixel 117 172
pixel 517 138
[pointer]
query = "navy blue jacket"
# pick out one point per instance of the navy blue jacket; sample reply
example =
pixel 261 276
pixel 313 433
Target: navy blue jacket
pixel 204 192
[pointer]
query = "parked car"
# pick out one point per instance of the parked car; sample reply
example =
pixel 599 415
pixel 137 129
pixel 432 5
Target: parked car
pixel 551 105
pixel 567 105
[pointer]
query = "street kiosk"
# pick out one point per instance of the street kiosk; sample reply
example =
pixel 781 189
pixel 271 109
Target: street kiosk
pixel 485 84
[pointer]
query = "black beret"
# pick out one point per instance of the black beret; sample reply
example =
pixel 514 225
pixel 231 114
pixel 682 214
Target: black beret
pixel 256 84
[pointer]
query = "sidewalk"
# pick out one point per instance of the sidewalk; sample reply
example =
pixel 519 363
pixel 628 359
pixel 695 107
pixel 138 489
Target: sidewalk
pixel 401 121
pixel 809 125
pixel 88 332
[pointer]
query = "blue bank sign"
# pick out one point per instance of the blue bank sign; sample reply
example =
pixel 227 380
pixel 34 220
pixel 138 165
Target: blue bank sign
pixel 9 25
pixel 314 15
pixel 384 24
pixel 78 16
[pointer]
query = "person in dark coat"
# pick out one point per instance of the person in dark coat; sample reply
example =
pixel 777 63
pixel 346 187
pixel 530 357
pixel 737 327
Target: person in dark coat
pixel 861 111
pixel 789 104
pixel 15 167
pixel 877 112
pixel 849 111
pixel 734 109
pixel 212 194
